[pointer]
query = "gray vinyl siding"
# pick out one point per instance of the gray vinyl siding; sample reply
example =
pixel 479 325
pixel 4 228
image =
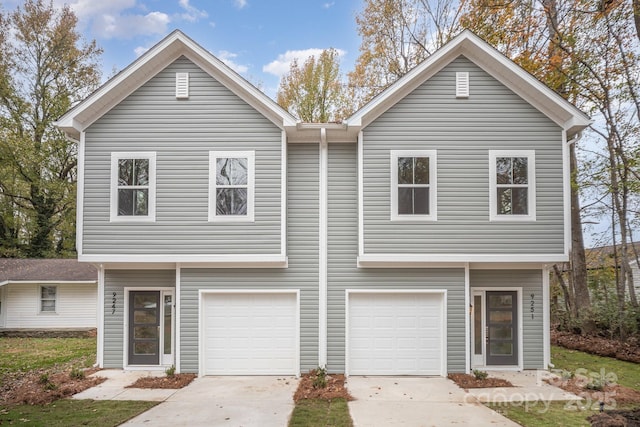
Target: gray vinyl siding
pixel 463 131
pixel 343 272
pixel 302 273
pixel 531 283
pixel 114 283
pixel 182 132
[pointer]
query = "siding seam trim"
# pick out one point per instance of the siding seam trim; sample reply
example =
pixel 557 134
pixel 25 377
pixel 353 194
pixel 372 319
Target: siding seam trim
pixel 323 248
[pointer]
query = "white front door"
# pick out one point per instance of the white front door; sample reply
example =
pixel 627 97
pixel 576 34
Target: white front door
pixel 392 333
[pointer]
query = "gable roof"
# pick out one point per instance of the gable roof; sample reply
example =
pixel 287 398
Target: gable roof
pixel 525 85
pixel 46 270
pixel 153 61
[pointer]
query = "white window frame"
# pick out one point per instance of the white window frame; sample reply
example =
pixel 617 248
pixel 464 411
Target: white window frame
pixel 151 214
pixel 40 300
pixel 433 185
pixel 531 185
pixel 213 158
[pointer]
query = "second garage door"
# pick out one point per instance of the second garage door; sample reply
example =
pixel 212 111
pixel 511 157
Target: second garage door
pixel 396 333
pixel 250 333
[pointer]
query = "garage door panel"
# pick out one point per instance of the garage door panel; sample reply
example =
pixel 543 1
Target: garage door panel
pixel 249 334
pixel 396 334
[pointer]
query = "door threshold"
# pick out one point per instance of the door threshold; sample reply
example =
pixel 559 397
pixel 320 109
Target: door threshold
pixel 146 368
pixel 497 368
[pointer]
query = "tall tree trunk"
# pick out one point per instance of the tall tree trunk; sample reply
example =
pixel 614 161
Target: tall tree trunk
pixel 636 16
pixel 582 304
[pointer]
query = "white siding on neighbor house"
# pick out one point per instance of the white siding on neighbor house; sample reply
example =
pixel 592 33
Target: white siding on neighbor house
pixel 462 130
pixel 76 306
pixel 182 132
pixel 343 272
pixel 302 272
pixel 532 321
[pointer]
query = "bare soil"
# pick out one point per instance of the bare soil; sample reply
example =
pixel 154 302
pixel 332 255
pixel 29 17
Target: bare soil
pixel 470 381
pixel 334 389
pixel 174 382
pixel 628 350
pixel 44 386
pixel 609 394
pixel 617 418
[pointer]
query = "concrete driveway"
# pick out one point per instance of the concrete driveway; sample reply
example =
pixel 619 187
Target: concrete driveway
pixel 417 402
pixel 225 401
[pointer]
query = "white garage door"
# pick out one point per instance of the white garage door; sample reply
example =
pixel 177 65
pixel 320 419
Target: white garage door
pixel 396 334
pixel 249 333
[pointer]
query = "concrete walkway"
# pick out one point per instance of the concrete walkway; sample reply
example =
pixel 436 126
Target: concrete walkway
pixel 208 401
pixel 422 402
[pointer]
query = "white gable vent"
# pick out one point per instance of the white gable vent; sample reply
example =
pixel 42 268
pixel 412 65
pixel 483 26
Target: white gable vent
pixel 462 84
pixel 182 85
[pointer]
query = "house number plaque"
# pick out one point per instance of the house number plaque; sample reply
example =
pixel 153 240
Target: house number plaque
pixel 113 303
pixel 533 306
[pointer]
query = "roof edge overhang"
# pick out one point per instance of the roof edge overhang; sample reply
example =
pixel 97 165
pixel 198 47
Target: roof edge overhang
pixel 176 44
pixel 467 44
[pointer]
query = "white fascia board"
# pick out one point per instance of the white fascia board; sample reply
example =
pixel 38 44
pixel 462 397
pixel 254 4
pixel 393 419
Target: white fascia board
pixel 452 260
pixel 153 61
pixel 49 282
pixel 492 61
pixel 220 261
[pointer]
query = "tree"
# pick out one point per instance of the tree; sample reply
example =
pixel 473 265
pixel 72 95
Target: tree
pixel 45 68
pixel 313 91
pixel 396 36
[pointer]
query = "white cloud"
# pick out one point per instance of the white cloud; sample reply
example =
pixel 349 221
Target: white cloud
pixel 328 5
pixel 140 50
pixel 127 26
pixel 240 3
pixel 229 59
pixel 191 13
pixel 281 65
pixel 123 19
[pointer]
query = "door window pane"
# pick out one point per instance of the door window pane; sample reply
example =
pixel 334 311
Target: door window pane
pixel 142 332
pixel 167 324
pixel 501 348
pixel 500 317
pixel 501 332
pixel 144 348
pixel 477 324
pixel 500 301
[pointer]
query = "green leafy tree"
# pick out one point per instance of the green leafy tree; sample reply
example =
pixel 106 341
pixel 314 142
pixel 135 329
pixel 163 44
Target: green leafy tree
pixel 45 67
pixel 313 91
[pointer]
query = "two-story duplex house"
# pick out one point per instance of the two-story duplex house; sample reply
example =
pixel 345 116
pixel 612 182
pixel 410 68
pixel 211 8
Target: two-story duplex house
pixel 411 239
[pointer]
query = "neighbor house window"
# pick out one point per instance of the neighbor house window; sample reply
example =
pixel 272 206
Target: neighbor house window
pixel 133 182
pixel 231 186
pixel 513 190
pixel 48 299
pixel 413 185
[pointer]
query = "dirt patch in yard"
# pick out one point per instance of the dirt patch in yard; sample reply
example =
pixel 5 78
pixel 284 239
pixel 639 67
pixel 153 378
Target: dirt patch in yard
pixel 617 418
pixel 174 381
pixel 45 385
pixel 628 350
pixel 310 387
pixel 610 394
pixel 470 381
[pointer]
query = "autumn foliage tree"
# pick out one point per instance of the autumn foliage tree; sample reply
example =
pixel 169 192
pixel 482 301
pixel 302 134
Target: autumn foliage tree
pixel 313 91
pixel 45 68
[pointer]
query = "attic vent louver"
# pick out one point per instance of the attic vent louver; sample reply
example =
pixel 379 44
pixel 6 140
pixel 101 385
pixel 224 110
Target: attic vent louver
pixel 182 85
pixel 462 84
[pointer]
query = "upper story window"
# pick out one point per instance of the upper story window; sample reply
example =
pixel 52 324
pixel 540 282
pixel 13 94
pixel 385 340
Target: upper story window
pixel 231 186
pixel 413 185
pixel 133 186
pixel 48 299
pixel 513 189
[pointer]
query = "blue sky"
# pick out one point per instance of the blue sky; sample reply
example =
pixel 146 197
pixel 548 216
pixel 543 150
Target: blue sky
pixel 258 38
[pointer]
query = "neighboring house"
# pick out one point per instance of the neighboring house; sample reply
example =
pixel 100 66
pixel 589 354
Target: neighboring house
pixel 603 259
pixel 47 294
pixel 411 239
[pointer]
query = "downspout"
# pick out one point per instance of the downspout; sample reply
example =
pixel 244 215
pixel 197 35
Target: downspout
pixel 322 250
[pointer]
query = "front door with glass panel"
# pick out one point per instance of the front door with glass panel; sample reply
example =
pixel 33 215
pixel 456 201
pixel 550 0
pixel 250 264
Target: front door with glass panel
pixel 501 328
pixel 150 328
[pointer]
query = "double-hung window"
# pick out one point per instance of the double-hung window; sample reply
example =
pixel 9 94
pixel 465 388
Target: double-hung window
pixel 133 186
pixel 513 187
pixel 48 299
pixel 413 185
pixel 231 186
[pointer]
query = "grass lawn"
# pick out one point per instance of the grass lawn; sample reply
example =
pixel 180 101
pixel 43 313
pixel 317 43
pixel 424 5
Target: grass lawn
pixel 319 412
pixel 573 414
pixel 25 354
pixel 69 412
